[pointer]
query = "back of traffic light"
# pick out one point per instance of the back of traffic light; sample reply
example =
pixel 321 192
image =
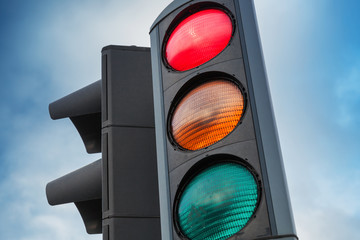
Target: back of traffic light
pixel 130 188
pixel 117 195
pixel 219 163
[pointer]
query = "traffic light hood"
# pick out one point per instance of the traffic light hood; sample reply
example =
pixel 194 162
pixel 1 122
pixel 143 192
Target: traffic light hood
pixel 85 101
pixel 80 185
pixel 83 188
pixel 83 107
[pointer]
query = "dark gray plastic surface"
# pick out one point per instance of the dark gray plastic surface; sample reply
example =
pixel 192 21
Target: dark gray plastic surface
pixel 82 102
pixel 132 229
pixel 130 186
pixel 83 107
pixel 127 87
pixel 91 214
pixel 80 185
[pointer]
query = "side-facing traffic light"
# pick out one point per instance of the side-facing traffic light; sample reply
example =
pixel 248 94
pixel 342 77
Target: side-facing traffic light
pixel 117 195
pixel 219 163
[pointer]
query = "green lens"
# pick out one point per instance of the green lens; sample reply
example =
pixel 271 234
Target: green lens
pixel 218 202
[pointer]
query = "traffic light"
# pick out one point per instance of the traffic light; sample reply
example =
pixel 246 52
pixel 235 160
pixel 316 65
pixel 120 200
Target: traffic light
pixel 220 168
pixel 117 195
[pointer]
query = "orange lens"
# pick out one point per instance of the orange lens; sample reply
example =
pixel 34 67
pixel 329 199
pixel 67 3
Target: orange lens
pixel 207 114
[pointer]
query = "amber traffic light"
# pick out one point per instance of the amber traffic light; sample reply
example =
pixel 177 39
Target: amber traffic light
pixel 207 114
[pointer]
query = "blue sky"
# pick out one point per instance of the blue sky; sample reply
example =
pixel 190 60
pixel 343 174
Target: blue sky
pixel 52 48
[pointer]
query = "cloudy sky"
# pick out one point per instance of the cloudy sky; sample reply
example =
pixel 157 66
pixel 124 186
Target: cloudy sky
pixel 52 48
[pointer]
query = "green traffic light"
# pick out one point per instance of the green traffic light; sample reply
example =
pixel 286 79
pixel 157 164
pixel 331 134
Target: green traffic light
pixel 218 202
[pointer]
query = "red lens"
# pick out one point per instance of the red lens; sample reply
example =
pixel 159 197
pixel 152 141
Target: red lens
pixel 198 38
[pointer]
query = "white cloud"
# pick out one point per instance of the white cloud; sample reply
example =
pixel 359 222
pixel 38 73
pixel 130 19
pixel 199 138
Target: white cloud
pixel 72 40
pixel 329 224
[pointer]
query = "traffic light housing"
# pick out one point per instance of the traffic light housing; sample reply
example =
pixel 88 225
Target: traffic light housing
pixel 130 187
pixel 117 195
pixel 220 168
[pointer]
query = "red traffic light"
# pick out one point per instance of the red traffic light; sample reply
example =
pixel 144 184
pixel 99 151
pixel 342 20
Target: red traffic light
pixel 198 38
pixel 219 163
